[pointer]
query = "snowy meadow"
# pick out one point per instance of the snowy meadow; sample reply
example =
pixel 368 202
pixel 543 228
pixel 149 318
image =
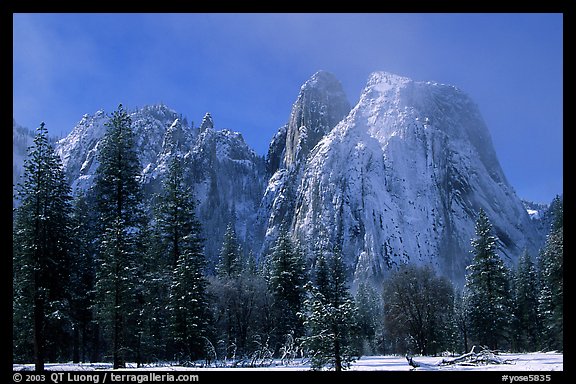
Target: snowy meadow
pixel 536 361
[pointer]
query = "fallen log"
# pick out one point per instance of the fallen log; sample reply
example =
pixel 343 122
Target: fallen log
pixel 484 357
pixel 411 362
pixel 472 358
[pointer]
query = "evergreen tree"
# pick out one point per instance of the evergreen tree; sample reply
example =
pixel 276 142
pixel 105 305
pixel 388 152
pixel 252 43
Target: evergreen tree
pixel 225 291
pixel 41 262
pixel 487 281
pixel 286 283
pixel 251 265
pixel 121 222
pixel 82 276
pixel 322 275
pixel 169 224
pixel 551 270
pixel 156 339
pixel 230 258
pixel 182 243
pixel 330 318
pixel 527 323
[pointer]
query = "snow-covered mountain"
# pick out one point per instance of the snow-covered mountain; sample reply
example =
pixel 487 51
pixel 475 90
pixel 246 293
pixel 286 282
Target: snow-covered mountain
pixel 402 178
pixel 227 176
pixel 79 150
pixel 398 178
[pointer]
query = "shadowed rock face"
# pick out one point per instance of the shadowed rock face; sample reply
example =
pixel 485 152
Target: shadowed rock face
pixel 320 105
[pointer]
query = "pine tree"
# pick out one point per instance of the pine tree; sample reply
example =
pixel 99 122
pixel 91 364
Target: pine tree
pixel 230 258
pixel 82 275
pixel 224 288
pixel 551 270
pixel 240 304
pixel 181 242
pixel 487 281
pixel 527 322
pixel 286 283
pixel 251 265
pixel 156 338
pixel 330 318
pixel 322 275
pixel 41 247
pixel 121 222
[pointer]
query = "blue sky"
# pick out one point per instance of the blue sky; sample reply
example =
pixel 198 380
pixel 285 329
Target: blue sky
pixel 247 69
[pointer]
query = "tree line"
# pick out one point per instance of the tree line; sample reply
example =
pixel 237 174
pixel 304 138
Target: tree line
pixel 519 309
pixel 105 275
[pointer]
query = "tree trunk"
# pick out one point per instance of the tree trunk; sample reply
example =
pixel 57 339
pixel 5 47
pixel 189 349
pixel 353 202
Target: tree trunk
pixel 76 345
pixel 138 351
pixel 465 339
pixel 337 357
pixel 95 355
pixel 118 325
pixel 38 332
pixel 472 358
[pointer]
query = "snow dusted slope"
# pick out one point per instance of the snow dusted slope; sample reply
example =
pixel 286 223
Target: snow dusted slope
pixel 402 178
pixel 79 149
pixel 226 175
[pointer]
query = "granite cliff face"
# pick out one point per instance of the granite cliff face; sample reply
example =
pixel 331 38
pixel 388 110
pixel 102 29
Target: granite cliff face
pixel 320 105
pixel 401 180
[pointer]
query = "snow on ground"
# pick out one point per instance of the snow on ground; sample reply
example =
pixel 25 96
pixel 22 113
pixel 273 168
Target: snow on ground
pixel 536 361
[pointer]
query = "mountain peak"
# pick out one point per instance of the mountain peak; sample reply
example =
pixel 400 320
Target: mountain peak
pixel 321 79
pixel 207 122
pixel 320 105
pixel 379 77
